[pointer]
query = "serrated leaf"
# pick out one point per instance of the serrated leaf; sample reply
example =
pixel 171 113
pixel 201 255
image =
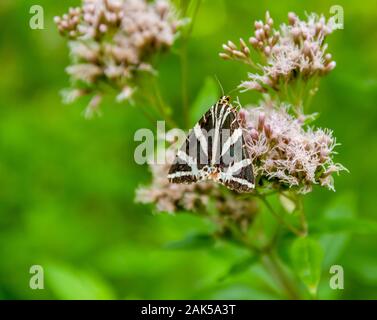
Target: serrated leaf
pixel 307 257
pixel 207 96
pixel 193 241
pixel 240 267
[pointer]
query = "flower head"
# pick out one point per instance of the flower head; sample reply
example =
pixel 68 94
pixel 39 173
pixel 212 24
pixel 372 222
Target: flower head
pixel 287 153
pixel 294 50
pixel 112 40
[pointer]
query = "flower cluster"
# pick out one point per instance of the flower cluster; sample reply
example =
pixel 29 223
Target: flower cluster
pixel 202 197
pixel 296 49
pixel 112 40
pixel 286 153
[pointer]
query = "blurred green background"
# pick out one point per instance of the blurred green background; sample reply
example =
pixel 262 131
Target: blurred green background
pixel 67 184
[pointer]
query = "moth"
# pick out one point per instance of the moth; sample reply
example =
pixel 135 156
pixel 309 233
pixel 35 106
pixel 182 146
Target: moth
pixel 215 150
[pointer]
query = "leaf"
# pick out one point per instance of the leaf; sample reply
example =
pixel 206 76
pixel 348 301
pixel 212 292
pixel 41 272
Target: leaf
pixel 288 204
pixel 333 246
pixel 71 284
pixel 193 241
pixel 307 257
pixel 334 243
pixel 351 225
pixel 205 27
pixel 206 97
pixel 239 267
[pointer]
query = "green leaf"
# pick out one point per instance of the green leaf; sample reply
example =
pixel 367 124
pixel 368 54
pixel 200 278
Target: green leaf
pixel 333 246
pixel 206 97
pixel 193 241
pixel 239 267
pixel 334 243
pixel 350 225
pixel 288 204
pixel 69 283
pixel 307 257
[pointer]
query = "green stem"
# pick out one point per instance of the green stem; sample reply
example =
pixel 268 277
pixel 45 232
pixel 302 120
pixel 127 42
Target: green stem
pixel 194 15
pixel 279 218
pixel 269 260
pixel 147 115
pixel 184 64
pixel 158 103
pixel 184 83
pixel 310 95
pixel 272 265
pixel 304 223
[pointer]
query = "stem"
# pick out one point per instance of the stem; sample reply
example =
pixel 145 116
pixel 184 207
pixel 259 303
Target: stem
pixel 279 218
pixel 194 15
pixel 310 95
pixel 163 107
pixel 184 65
pixel 184 82
pixel 304 223
pixel 243 239
pixel 157 101
pixel 270 261
pixel 148 116
pixel 272 264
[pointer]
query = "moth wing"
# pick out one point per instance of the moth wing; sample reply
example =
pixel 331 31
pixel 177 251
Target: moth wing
pixel 194 154
pixel 236 165
pixel 232 158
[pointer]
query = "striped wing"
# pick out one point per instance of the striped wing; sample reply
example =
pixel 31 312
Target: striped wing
pixel 215 149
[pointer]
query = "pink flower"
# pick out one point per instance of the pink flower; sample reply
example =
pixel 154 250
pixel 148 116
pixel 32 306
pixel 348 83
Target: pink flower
pixel 286 152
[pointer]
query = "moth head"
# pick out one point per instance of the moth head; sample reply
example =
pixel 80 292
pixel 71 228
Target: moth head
pixel 210 172
pixel 225 99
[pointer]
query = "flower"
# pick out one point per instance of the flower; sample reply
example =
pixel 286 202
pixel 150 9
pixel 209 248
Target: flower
pixel 295 50
pixel 110 41
pixel 285 152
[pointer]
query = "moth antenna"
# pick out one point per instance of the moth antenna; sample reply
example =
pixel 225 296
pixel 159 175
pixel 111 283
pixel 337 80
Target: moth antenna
pixel 231 91
pixel 218 81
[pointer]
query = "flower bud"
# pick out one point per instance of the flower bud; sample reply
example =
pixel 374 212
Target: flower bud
pixel 258 24
pixel 268 131
pixel 232 45
pixel 243 44
pixel 292 18
pixel 254 134
pixel 103 28
pixel 328 57
pixel 226 48
pixel 239 54
pixel 261 120
pixel 253 41
pixel 331 66
pixel 224 56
